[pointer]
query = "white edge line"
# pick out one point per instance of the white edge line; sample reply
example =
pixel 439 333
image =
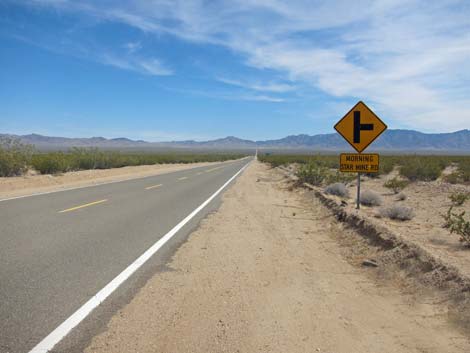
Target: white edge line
pixel 65 327
pixel 103 183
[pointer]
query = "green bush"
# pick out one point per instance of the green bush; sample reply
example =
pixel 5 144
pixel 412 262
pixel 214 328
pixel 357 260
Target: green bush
pixel 464 170
pixel 312 174
pixel 396 185
pixel 457 223
pixel 82 159
pixel 339 177
pixel 421 168
pixel 50 163
pixel 15 157
pixel 459 198
pixel 453 178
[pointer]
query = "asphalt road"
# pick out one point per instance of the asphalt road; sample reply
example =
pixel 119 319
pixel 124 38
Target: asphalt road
pixel 59 249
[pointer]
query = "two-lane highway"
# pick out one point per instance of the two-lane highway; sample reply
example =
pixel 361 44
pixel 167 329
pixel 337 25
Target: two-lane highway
pixel 60 249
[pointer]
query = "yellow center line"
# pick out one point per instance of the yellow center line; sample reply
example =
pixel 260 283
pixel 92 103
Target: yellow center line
pixel 153 186
pixel 211 170
pixel 82 206
pixel 182 178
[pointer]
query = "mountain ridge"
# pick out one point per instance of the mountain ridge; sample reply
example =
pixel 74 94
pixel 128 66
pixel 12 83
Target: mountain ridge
pixel 392 139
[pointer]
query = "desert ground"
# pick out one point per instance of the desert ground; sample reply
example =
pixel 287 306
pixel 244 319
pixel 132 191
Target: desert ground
pixel 429 202
pixel 273 271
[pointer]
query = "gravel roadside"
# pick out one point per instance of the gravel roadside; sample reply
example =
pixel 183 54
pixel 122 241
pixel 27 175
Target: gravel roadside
pixel 265 274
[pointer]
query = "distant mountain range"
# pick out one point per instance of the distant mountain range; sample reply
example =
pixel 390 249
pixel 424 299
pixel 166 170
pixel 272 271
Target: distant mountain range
pixel 391 140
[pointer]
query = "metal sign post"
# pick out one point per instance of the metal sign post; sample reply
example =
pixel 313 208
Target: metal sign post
pixel 358 203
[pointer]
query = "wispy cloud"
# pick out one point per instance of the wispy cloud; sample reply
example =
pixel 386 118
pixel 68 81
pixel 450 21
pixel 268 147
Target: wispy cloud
pixel 132 47
pixel 409 59
pixel 150 66
pixel 258 86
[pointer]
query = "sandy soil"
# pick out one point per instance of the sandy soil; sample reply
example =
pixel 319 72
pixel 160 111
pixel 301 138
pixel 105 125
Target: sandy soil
pixel 36 183
pixel 266 274
pixel 429 200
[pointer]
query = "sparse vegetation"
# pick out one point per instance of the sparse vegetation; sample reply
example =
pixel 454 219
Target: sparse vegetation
pixel 453 178
pixel 312 173
pixel 457 223
pixel 339 177
pixel 422 168
pixel 464 170
pixel 370 198
pixel 338 189
pixel 396 185
pixel 397 212
pixel 412 167
pixel 15 157
pixel 459 198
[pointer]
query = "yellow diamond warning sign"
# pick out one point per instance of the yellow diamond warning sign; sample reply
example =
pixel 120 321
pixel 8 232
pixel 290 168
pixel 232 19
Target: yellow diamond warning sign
pixel 359 163
pixel 360 127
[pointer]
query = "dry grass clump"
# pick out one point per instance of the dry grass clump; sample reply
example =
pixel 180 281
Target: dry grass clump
pixel 338 189
pixel 397 212
pixel 401 197
pixel 370 198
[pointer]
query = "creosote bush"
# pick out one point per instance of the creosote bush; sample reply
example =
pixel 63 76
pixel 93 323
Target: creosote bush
pixel 92 158
pixel 370 198
pixel 422 168
pixel 312 174
pixel 457 223
pixel 396 185
pixel 15 157
pixel 459 198
pixel 338 189
pixel 397 212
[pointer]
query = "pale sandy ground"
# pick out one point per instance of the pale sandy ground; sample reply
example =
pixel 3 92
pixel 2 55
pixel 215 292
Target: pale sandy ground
pixel 36 183
pixel 266 274
pixel 429 200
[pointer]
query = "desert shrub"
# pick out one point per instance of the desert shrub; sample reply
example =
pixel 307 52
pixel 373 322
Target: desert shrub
pixel 459 198
pixel 370 198
pixel 453 178
pixel 401 197
pixel 397 212
pixel 457 223
pixel 339 177
pixel 15 157
pixel 464 170
pixel 312 174
pixel 386 165
pixel 421 168
pixel 50 163
pixel 338 189
pixel 396 185
pixel 86 158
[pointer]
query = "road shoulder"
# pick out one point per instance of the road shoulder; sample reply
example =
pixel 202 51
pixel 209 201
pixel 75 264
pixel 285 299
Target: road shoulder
pixel 265 273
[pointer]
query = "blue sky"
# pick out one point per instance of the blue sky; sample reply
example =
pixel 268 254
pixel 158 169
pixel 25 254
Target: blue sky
pixel 181 69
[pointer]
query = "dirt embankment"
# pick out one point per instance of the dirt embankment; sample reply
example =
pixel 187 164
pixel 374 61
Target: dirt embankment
pixel 36 183
pixel 272 271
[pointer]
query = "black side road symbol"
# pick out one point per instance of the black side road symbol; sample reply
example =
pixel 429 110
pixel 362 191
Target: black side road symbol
pixel 358 127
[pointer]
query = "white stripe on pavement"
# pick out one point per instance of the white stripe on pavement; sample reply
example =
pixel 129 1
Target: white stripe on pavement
pixel 64 328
